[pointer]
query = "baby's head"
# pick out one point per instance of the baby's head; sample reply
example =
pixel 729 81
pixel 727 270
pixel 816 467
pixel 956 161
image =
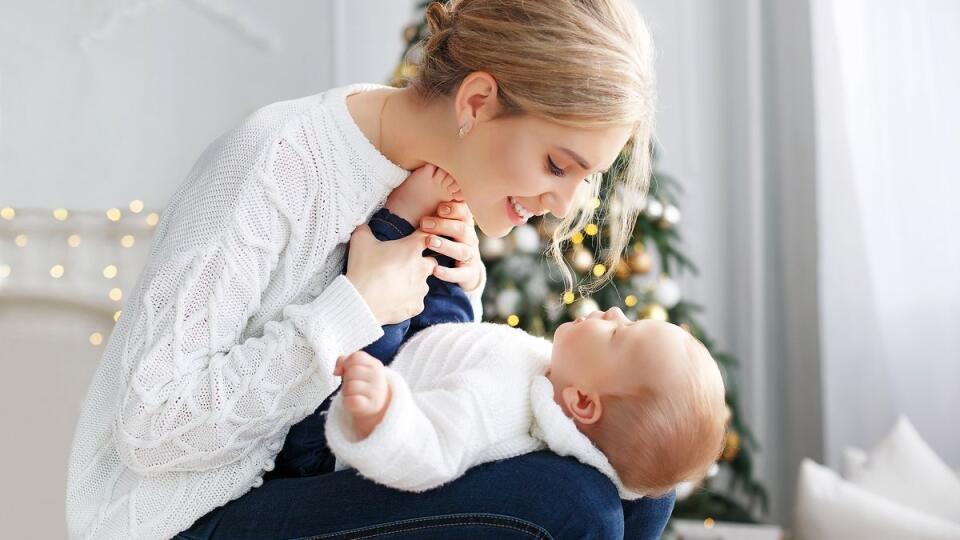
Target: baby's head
pixel 647 393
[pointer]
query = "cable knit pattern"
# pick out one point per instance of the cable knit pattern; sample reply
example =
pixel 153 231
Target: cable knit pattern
pixel 231 333
pixel 462 394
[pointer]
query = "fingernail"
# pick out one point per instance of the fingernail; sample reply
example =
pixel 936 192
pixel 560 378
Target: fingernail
pixel 435 242
pixel 444 209
pixel 429 223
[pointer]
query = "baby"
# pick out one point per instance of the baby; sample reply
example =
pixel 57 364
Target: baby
pixel 641 401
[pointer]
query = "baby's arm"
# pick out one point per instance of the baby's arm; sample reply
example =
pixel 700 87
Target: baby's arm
pixel 403 439
pixel 421 192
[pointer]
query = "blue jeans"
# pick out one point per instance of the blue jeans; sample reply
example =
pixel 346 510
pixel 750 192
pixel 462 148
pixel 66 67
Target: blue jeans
pixel 304 498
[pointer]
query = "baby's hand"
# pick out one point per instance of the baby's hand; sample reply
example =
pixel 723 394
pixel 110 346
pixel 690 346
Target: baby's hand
pixel 421 192
pixel 366 392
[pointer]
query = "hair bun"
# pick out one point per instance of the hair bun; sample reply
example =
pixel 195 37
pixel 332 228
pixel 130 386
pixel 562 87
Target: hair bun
pixel 439 17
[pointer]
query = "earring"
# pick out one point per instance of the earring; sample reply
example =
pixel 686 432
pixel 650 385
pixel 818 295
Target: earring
pixel 464 129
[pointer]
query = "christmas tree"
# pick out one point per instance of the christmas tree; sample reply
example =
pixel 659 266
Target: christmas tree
pixel 524 289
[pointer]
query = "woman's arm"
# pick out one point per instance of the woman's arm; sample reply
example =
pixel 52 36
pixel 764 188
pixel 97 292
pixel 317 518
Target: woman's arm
pixel 192 398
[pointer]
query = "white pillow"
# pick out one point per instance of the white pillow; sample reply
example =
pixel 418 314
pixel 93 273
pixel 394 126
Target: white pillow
pixel 851 461
pixel 903 468
pixel 830 508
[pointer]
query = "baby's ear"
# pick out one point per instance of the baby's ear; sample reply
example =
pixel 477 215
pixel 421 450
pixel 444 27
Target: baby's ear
pixel 584 407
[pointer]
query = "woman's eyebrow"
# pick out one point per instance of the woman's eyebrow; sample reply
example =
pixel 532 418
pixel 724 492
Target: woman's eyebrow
pixel 582 162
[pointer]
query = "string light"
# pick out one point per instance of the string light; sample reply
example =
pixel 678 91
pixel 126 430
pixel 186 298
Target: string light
pixel 596 202
pixel 110 271
pixel 568 297
pixel 630 300
pixel 513 320
pixel 592 229
pixel 599 269
pixel 577 237
pixel 708 523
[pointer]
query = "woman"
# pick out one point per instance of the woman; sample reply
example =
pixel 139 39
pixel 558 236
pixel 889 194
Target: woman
pixel 231 334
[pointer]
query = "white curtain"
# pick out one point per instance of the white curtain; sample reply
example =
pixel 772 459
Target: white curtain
pixel 887 86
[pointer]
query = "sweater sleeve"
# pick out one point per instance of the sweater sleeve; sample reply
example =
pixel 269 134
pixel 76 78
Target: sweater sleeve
pixel 195 398
pixel 425 439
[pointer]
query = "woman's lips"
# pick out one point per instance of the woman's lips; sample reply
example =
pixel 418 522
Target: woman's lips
pixel 512 214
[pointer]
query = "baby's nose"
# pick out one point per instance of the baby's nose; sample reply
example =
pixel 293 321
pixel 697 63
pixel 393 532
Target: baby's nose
pixel 615 312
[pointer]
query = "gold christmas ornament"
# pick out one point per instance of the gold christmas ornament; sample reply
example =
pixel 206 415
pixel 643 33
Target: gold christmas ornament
pixel 582 259
pixel 623 270
pixel 653 311
pixel 640 262
pixel 410 32
pixel 731 446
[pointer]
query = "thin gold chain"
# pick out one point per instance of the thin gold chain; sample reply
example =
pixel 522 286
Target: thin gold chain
pixel 380 136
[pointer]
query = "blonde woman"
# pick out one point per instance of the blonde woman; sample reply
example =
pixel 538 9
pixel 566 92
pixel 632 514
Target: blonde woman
pixel 230 338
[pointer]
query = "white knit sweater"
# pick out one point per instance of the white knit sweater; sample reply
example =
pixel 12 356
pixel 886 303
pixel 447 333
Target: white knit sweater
pixel 232 330
pixel 462 394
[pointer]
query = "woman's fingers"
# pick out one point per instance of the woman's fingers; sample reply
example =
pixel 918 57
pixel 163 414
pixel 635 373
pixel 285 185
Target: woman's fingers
pixel 457 250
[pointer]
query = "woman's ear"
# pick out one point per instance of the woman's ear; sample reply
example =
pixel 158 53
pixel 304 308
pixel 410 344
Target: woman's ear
pixel 476 98
pixel 585 408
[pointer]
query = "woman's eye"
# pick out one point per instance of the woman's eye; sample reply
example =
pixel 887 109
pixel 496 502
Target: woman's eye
pixel 554 170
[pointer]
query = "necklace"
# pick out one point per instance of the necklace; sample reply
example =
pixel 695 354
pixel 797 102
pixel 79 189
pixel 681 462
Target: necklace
pixel 380 122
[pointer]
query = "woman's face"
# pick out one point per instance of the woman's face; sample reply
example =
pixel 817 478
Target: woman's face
pixel 523 159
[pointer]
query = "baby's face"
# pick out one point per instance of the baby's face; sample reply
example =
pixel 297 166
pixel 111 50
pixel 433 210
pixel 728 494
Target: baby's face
pixel 607 352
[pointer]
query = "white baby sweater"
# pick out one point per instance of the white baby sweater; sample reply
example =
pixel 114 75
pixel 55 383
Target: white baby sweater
pixel 462 394
pixel 232 331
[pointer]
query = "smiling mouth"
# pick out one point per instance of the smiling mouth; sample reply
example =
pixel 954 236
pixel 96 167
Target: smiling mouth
pixel 517 213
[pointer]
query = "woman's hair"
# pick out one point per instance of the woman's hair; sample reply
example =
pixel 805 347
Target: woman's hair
pixel 655 439
pixel 579 63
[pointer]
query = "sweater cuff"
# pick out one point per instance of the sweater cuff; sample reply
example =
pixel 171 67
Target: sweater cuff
pixel 373 456
pixel 476 295
pixel 339 315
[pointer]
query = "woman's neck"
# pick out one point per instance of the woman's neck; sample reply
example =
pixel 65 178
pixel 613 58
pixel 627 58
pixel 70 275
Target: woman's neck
pixel 416 133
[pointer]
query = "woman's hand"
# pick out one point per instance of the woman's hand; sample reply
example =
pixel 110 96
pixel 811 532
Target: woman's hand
pixel 391 276
pixel 462 244
pixel 366 392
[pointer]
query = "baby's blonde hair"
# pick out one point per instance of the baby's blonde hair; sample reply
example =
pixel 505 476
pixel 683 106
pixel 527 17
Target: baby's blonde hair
pixel 655 439
pixel 579 63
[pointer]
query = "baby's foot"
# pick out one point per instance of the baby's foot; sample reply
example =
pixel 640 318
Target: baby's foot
pixel 421 192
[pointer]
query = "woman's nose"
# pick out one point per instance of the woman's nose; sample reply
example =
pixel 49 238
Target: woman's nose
pixel 560 200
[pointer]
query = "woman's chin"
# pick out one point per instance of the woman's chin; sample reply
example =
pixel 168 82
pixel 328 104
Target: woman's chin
pixel 497 231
